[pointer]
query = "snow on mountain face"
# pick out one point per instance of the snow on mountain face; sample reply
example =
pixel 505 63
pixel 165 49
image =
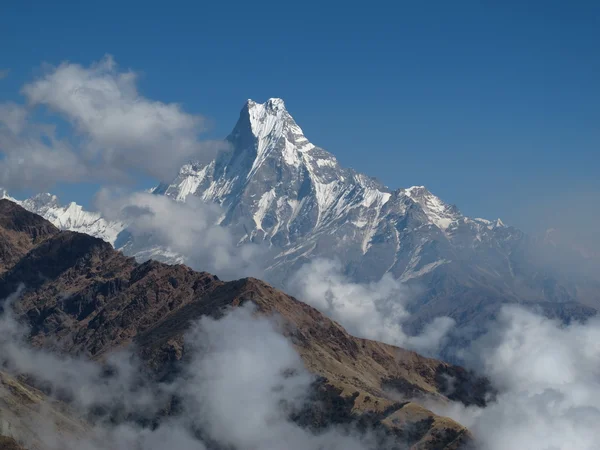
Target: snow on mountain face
pixel 274 184
pixel 438 212
pixel 278 188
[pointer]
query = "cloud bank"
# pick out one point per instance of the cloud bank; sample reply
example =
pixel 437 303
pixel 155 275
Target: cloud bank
pixel 548 377
pixel 116 131
pixel 375 310
pixel 32 154
pixel 239 384
pixel 189 230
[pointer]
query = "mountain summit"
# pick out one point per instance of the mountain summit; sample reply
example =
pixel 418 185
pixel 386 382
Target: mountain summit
pixel 278 187
pixel 275 185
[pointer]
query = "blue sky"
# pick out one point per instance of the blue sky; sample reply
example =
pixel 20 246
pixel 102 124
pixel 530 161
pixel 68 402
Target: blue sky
pixel 495 106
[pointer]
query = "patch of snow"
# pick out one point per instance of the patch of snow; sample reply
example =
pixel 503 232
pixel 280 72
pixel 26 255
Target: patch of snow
pixel 326 162
pixel 423 270
pixel 73 217
pixel 263 205
pixel 438 212
pixel 189 184
pixel 326 195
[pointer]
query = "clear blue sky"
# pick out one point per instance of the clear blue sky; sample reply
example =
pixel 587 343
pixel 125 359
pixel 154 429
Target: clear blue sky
pixel 492 105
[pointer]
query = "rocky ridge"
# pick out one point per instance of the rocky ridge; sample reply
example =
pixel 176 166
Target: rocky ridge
pixel 83 297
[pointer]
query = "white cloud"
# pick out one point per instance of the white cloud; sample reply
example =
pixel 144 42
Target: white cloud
pixel 4 73
pixel 188 229
pixel 240 381
pixel 115 131
pixel 32 156
pixel 247 381
pixel 548 376
pixel 374 310
pixel 13 117
pixel 123 129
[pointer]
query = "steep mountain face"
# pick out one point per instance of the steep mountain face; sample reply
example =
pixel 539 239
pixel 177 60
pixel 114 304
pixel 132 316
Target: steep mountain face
pixel 83 297
pixel 20 231
pixel 277 187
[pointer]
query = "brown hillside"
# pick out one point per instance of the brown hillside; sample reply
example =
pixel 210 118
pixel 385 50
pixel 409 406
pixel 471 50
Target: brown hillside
pixel 83 297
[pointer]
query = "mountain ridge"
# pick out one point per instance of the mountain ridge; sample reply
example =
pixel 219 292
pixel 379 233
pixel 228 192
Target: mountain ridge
pixel 108 300
pixel 277 189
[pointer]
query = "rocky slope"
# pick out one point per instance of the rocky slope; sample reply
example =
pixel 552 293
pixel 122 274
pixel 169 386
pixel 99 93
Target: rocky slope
pixel 20 231
pixel 8 443
pixel 83 297
pixel 23 408
pixel 69 217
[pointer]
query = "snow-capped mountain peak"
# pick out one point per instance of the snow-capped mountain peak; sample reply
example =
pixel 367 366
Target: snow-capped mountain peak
pixel 276 186
pixel 42 202
pixel 4 195
pixel 278 189
pixel 274 128
pixel 438 212
pixel 273 104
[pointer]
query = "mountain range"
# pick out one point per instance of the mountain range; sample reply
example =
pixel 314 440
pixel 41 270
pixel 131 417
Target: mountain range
pixel 108 301
pixel 91 285
pixel 275 188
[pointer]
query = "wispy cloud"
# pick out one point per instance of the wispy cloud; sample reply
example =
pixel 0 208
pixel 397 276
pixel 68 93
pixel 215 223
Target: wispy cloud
pixel 548 380
pixel 115 131
pixel 237 388
pixel 189 230
pixel 4 73
pixel 374 310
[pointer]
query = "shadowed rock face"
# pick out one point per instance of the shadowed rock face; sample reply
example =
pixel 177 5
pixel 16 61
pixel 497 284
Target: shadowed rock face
pixel 20 231
pixel 7 443
pixel 83 297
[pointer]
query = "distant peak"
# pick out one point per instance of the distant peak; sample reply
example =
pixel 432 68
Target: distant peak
pixel 5 195
pixel 46 196
pixel 44 199
pixel 438 212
